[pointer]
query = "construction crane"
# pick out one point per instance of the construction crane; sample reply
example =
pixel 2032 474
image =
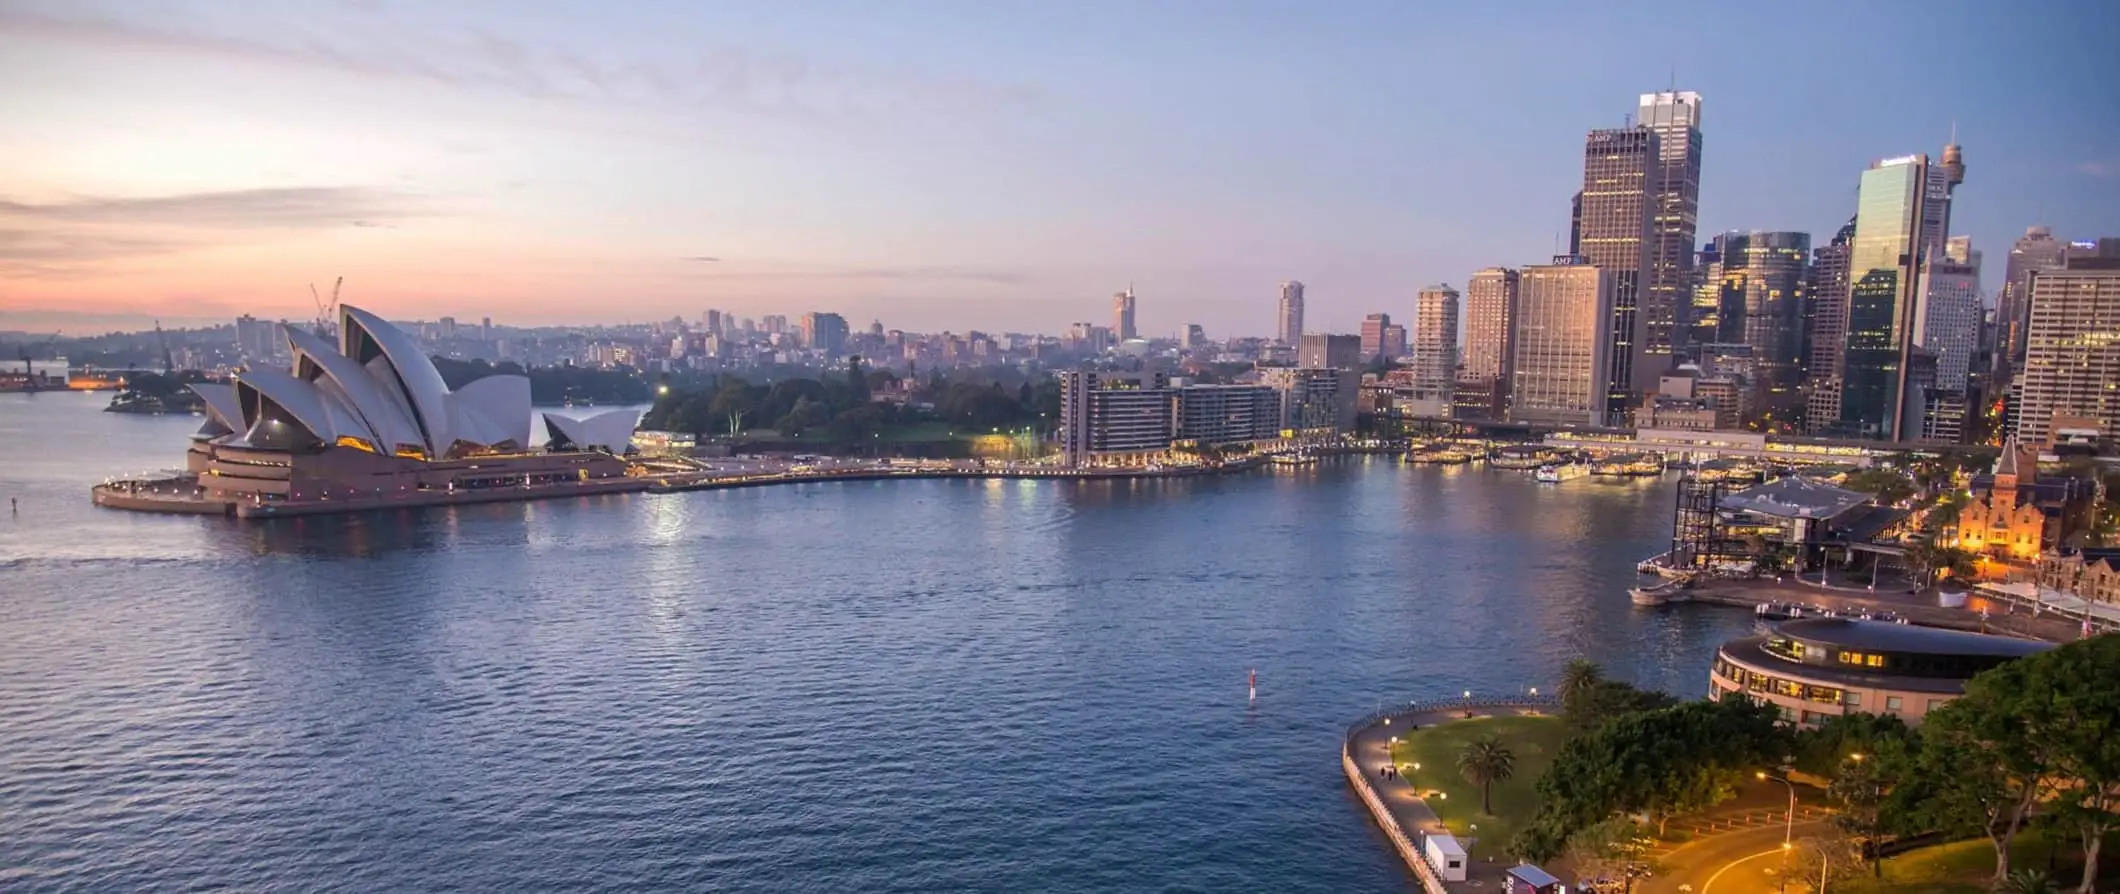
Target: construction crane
pixel 29 368
pixel 325 311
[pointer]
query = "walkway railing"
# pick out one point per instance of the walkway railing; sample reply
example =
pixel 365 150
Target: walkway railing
pixel 1408 843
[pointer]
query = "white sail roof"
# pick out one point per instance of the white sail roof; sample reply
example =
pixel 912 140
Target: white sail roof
pixel 611 430
pixel 379 388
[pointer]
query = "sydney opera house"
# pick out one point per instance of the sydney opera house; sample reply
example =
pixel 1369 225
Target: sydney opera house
pixel 369 422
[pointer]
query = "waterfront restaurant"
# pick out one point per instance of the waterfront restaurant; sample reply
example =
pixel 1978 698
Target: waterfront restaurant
pixel 1791 523
pixel 1813 668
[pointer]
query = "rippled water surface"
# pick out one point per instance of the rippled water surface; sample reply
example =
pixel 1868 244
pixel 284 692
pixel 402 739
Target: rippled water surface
pixel 892 686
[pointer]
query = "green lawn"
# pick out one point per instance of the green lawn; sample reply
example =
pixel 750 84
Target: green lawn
pixel 1964 867
pixel 1534 740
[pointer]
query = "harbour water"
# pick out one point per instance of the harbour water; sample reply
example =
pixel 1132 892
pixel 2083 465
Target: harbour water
pixel 885 686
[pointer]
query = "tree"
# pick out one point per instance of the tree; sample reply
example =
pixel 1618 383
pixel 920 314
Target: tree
pixel 1579 674
pixel 1659 762
pixel 1859 788
pixel 805 415
pixel 1610 849
pixel 857 382
pixel 1887 485
pixel 1484 762
pixel 1587 707
pixel 2045 727
pixel 2070 711
pixel 1822 859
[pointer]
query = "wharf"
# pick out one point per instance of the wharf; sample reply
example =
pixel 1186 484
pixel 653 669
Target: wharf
pixel 180 495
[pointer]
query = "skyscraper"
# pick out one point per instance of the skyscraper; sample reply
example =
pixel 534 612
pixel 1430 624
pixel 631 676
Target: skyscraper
pixel 1675 117
pixel 1619 175
pixel 1490 323
pixel 1373 327
pixel 2072 347
pixel 1563 344
pixel 1291 315
pixel 1321 351
pixel 1773 266
pixel 1435 343
pixel 1949 325
pixel 1901 217
pixel 1123 315
pixel 2037 250
pixel 1826 334
pixel 825 332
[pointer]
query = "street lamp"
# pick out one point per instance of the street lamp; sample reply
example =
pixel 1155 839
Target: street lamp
pixel 1789 827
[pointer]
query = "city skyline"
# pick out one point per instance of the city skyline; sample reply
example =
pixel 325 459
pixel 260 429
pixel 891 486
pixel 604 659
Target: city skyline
pixel 937 166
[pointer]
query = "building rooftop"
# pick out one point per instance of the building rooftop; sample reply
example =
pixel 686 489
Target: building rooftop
pixel 1532 875
pixel 1885 636
pixel 1752 651
pixel 1796 497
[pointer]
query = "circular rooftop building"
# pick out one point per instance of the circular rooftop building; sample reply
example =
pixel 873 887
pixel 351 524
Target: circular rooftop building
pixel 1814 668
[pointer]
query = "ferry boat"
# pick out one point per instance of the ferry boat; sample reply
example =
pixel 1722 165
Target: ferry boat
pixel 1559 472
pixel 1664 593
pixel 1526 458
pixel 1295 459
pixel 1448 456
pixel 1628 466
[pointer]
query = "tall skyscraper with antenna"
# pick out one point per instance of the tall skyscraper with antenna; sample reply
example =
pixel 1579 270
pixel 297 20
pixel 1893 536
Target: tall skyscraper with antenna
pixel 1674 217
pixel 1902 219
pixel 1123 315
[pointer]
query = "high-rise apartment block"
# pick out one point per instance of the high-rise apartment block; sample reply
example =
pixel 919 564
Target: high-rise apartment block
pixel 1490 338
pixel 1290 318
pixel 1132 417
pixel 1826 332
pixel 2037 250
pixel 1902 215
pixel 1394 342
pixel 1435 345
pixel 1311 399
pixel 1620 173
pixel 1562 357
pixel 825 332
pixel 1373 327
pixel 1113 413
pixel 2072 348
pixel 1950 319
pixel 1319 350
pixel 1675 117
pixel 1123 315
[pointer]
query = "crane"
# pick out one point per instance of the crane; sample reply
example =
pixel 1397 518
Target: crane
pixel 29 369
pixel 326 310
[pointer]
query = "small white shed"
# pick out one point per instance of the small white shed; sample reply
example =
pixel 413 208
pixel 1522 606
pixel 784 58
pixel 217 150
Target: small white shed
pixel 1445 855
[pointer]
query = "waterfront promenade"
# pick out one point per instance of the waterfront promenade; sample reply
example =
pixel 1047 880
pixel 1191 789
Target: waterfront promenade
pixel 1395 805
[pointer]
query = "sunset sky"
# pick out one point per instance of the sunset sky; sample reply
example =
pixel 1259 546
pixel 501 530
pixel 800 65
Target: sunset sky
pixel 990 164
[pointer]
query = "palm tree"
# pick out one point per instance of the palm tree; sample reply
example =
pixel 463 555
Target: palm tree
pixel 1580 675
pixel 1484 762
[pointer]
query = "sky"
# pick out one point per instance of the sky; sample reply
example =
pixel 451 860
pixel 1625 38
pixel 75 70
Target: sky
pixel 1002 165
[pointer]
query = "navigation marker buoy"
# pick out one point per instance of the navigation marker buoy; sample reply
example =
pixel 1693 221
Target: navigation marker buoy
pixel 1254 684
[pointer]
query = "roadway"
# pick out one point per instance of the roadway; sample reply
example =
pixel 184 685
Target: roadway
pixel 1744 862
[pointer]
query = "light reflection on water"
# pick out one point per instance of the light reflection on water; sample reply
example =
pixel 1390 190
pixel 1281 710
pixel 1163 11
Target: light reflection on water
pixel 916 686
